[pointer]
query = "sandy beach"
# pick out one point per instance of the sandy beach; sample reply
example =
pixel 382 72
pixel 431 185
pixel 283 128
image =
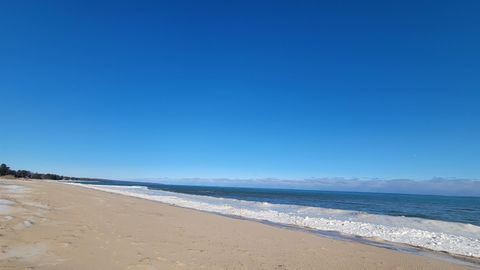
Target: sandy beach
pixel 48 225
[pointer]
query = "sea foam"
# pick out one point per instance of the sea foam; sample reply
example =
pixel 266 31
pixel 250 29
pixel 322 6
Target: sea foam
pixel 455 238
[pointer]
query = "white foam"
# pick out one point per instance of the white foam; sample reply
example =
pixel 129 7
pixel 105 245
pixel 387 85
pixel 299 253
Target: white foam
pixel 455 238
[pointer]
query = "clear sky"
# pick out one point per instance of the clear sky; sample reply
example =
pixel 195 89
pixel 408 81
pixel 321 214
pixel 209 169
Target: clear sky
pixel 241 89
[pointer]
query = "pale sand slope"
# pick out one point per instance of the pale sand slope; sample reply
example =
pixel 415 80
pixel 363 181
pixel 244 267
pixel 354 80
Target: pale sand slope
pixel 58 226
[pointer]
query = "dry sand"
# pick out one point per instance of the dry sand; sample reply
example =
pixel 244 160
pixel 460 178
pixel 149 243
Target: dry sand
pixel 48 225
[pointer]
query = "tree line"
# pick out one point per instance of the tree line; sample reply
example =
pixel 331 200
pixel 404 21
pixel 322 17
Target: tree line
pixel 5 170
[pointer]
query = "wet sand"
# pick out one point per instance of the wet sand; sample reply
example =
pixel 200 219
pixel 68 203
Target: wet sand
pixel 48 225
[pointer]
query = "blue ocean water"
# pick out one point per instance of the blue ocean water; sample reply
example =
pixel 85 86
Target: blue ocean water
pixel 444 208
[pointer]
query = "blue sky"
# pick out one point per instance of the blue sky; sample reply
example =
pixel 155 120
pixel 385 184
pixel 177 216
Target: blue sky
pixel 241 89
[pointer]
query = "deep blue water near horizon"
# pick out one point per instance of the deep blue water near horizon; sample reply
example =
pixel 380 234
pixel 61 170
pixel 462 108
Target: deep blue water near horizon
pixel 435 207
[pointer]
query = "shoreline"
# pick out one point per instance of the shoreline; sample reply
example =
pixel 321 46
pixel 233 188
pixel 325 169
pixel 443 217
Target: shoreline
pixel 456 239
pixel 397 247
pixel 244 243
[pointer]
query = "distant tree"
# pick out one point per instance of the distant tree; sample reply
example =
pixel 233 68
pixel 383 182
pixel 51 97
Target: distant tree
pixel 51 176
pixel 23 174
pixel 36 176
pixel 4 169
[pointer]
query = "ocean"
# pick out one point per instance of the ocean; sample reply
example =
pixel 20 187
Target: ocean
pixel 440 223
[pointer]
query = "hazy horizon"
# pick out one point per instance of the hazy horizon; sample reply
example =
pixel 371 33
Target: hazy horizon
pixel 434 186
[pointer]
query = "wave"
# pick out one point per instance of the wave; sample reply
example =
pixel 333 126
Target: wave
pixel 455 238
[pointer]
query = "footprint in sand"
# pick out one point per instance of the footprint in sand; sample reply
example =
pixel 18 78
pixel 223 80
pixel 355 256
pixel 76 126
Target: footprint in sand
pixel 178 263
pixel 142 267
pixel 160 258
pixel 23 225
